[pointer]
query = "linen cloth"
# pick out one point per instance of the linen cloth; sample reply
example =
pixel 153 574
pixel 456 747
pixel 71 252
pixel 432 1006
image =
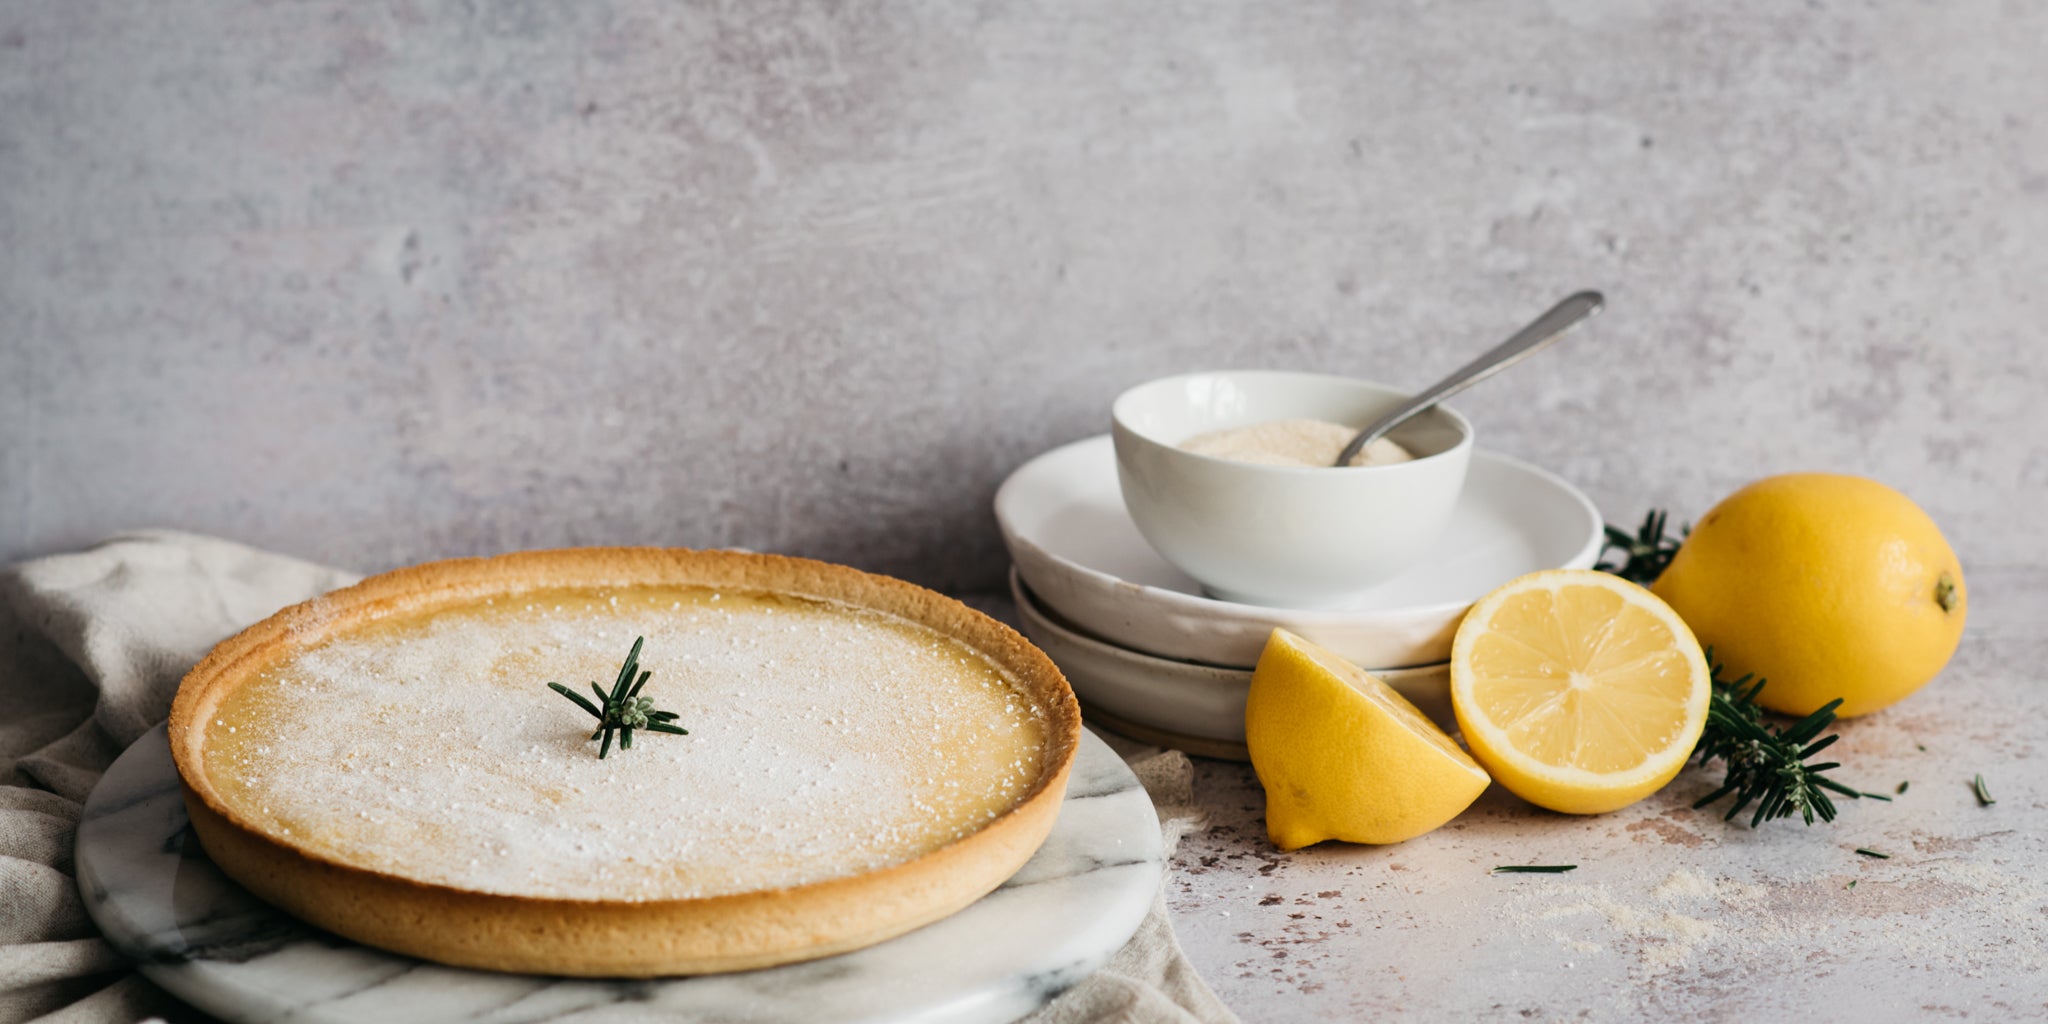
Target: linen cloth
pixel 92 647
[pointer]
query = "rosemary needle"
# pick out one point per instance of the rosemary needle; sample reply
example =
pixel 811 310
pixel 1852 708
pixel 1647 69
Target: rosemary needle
pixel 1983 794
pixel 1902 787
pixel 1534 869
pixel 1868 852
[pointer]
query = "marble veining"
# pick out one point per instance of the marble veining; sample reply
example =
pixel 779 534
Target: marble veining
pixel 158 899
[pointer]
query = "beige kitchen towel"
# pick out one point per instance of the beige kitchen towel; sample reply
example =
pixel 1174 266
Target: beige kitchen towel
pixel 1149 979
pixel 92 646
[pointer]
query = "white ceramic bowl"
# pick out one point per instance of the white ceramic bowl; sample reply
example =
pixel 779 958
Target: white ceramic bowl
pixel 1180 704
pixel 1064 523
pixel 1287 536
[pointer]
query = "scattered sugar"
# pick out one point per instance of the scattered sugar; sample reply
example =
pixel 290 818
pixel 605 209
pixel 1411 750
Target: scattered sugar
pixel 445 758
pixel 1936 910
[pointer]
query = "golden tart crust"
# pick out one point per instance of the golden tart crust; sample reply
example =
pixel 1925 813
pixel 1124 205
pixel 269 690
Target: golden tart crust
pixel 384 882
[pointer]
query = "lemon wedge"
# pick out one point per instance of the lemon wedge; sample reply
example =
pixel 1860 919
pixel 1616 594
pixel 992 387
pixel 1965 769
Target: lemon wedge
pixel 1343 756
pixel 1579 691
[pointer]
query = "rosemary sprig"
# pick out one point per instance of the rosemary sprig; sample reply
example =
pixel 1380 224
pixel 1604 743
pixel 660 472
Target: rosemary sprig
pixel 623 709
pixel 1983 794
pixel 1767 765
pixel 1642 557
pixel 1534 869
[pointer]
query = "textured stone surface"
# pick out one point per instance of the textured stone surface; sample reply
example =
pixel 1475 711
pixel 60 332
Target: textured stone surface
pixel 373 283
pixel 1671 913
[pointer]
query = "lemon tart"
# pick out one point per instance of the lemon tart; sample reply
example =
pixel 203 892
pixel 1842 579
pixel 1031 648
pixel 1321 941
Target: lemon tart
pixel 863 757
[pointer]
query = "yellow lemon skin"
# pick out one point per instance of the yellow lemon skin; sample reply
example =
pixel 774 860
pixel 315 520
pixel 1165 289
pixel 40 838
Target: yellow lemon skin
pixel 1579 691
pixel 1826 586
pixel 1343 756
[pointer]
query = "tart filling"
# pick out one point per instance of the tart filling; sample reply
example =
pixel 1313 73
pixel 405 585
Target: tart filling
pixel 825 741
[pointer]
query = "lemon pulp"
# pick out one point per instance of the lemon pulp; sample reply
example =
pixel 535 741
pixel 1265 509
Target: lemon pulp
pixel 1579 691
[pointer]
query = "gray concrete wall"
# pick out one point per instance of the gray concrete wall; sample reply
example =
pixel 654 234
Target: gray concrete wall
pixel 375 283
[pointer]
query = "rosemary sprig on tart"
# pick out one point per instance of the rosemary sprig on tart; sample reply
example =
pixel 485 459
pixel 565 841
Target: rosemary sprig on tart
pixel 623 709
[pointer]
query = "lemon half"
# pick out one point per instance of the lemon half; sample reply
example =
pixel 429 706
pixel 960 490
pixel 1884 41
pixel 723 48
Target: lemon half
pixel 1579 691
pixel 1343 756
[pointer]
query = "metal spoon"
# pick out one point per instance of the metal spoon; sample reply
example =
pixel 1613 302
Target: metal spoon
pixel 1541 331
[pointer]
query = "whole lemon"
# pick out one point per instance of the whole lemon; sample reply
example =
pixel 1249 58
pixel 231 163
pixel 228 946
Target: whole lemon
pixel 1826 585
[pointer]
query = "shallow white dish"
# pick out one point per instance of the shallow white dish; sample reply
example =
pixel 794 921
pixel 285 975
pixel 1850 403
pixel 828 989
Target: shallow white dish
pixel 1064 520
pixel 1196 708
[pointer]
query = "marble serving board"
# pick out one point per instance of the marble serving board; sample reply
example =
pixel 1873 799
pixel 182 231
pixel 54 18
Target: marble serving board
pixel 151 889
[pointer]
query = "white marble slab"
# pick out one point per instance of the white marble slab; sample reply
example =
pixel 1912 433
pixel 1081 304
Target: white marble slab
pixel 158 899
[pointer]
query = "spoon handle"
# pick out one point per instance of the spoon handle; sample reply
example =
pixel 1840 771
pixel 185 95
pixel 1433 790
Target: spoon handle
pixel 1541 331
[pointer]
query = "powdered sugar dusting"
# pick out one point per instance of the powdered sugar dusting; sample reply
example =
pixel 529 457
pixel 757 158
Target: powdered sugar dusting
pixel 824 741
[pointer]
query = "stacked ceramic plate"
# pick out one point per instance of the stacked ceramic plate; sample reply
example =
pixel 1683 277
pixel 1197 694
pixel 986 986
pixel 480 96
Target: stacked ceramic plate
pixel 1154 658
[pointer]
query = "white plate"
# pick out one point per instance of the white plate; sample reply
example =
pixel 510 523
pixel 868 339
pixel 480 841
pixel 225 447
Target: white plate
pixel 1064 521
pixel 1196 708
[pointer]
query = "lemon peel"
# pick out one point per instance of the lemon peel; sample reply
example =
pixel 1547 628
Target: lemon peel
pixel 1343 756
pixel 1824 585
